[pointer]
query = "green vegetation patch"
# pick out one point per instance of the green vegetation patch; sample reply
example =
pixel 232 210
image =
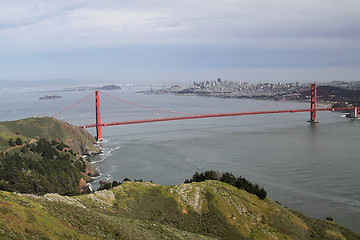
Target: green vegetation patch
pixel 229 178
pixel 319 229
pixel 43 169
pixel 158 204
pixel 47 128
pixel 35 157
pixel 137 210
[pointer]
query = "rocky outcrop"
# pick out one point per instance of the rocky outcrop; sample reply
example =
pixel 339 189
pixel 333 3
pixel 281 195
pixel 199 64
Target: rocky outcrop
pixel 79 146
pixel 83 186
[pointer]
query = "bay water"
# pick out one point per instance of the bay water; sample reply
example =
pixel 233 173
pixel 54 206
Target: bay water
pixel 312 168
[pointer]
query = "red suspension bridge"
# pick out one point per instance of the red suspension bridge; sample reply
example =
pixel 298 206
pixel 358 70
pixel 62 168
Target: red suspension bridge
pixel 173 115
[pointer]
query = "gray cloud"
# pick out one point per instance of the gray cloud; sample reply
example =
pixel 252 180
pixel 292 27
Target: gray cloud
pixel 266 29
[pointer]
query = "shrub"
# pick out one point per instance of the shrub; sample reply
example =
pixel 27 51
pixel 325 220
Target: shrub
pixel 229 178
pixel 106 186
pixel 126 180
pixel 115 183
pixel 18 141
pixel 24 149
pixel 261 194
pixel 11 142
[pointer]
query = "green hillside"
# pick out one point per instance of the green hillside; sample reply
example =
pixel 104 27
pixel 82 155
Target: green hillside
pixel 41 155
pixel 136 210
pixel 49 128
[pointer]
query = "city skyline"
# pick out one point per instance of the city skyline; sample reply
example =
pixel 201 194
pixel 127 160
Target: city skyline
pixel 168 41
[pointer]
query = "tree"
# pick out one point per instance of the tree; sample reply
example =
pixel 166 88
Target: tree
pixel 197 177
pixel 211 175
pixel 18 141
pixel 240 182
pixel 104 186
pixel 261 194
pixel 24 149
pixel 228 178
pixel 126 180
pixel 60 146
pixel 115 183
pixel 11 142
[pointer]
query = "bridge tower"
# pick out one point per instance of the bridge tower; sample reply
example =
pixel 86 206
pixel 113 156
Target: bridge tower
pixel 354 113
pixel 313 104
pixel 98 117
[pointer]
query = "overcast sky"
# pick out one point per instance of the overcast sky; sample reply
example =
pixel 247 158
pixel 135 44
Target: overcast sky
pixel 180 41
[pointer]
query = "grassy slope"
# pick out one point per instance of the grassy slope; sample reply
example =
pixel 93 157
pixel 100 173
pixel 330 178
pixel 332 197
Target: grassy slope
pixel 58 217
pixel 43 127
pixel 148 211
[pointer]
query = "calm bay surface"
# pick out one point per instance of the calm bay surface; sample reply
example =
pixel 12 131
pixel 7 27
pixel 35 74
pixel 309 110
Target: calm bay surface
pixel 313 168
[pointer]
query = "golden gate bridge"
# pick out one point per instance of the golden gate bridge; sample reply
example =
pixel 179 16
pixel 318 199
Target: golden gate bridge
pixel 99 124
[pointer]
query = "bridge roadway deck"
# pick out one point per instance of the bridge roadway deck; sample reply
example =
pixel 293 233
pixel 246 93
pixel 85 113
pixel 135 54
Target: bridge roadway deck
pixel 211 116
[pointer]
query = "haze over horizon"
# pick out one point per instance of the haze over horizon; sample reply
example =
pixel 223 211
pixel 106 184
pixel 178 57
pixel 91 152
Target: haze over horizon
pixel 180 41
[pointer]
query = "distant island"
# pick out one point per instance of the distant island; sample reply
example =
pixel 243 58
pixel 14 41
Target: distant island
pixel 90 88
pixel 49 97
pixel 108 87
pixel 99 87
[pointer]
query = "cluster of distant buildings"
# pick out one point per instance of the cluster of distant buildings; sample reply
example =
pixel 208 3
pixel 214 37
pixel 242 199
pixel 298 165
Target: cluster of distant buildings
pixel 231 89
pixel 275 91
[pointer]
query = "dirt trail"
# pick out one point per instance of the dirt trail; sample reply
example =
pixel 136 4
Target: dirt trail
pixel 31 141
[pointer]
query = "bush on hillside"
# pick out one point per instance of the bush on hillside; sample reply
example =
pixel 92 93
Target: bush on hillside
pixel 18 141
pixel 108 185
pixel 11 142
pixel 229 178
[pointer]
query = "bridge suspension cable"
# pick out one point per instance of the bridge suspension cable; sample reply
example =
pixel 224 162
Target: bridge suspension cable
pixel 216 115
pixel 329 94
pixel 279 101
pixel 169 117
pixel 81 100
pixel 143 106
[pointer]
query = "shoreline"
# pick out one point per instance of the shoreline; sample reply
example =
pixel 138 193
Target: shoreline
pixel 264 98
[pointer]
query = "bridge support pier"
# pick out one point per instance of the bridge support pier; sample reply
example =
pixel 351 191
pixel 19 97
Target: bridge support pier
pixel 98 117
pixel 313 104
pixel 354 113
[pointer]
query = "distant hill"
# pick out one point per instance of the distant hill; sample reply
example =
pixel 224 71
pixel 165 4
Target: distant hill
pixel 54 83
pixel 108 87
pixel 49 128
pixel 51 83
pixel 137 210
pixel 42 154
